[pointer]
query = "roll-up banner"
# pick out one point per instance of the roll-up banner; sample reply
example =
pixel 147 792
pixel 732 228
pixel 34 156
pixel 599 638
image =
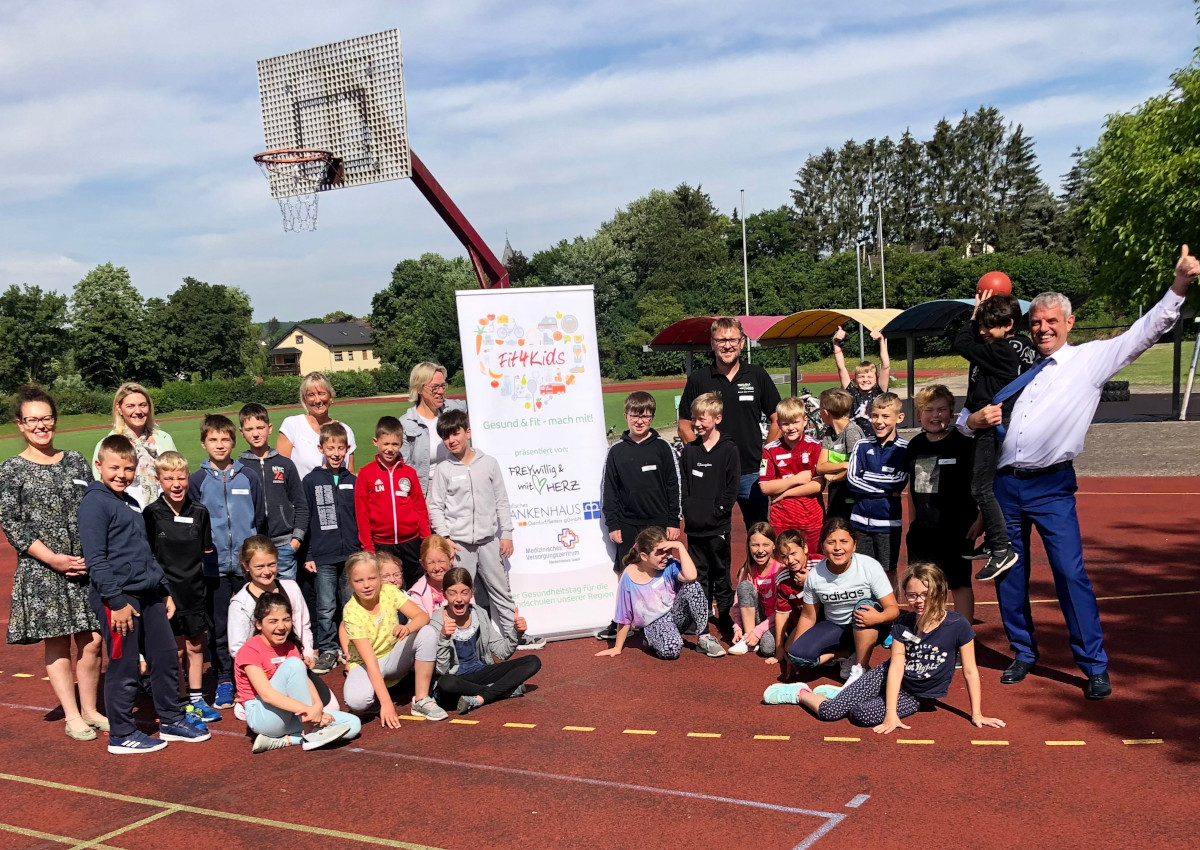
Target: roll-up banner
pixel 533 382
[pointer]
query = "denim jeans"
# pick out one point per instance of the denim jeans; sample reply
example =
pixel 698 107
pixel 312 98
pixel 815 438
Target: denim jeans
pixel 286 561
pixel 333 592
pixel 755 506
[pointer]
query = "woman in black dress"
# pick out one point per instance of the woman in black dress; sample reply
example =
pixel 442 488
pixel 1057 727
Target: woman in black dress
pixel 40 491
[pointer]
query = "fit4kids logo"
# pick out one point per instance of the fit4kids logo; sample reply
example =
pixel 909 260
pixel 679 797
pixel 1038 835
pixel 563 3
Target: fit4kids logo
pixel 568 538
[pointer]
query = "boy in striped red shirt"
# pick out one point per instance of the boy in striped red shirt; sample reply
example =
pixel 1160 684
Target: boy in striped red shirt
pixel 788 475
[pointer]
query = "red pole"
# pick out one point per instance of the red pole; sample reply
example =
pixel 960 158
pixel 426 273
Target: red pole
pixel 488 269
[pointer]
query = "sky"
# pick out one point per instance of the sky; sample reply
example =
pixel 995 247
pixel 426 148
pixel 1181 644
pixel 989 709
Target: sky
pixel 129 127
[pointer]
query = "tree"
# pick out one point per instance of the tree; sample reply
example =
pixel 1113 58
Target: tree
pixel 32 328
pixel 517 267
pixel 415 318
pixel 338 316
pixel 207 329
pixel 1140 186
pixel 113 342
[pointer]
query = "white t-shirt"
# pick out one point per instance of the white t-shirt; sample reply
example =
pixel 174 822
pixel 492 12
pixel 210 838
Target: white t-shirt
pixel 840 594
pixel 437 449
pixel 306 452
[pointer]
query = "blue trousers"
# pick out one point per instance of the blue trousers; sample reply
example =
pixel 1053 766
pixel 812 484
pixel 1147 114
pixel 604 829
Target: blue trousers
pixel 1047 503
pixel 291 680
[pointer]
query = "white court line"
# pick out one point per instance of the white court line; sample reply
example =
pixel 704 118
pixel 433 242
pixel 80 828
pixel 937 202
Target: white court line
pixel 858 801
pixel 832 819
pixel 1113 598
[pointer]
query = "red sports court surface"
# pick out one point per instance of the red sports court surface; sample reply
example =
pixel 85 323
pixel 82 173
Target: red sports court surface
pixel 635 752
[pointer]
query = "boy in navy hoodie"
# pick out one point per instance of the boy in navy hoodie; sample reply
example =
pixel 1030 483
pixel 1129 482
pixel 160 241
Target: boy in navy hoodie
pixel 282 490
pixel 876 477
pixel 711 477
pixel 129 593
pixel 332 537
pixel 233 497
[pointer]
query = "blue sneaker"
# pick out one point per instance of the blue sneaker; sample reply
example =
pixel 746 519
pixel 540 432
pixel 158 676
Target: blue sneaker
pixel 207 713
pixel 182 731
pixel 827 691
pixel 136 743
pixel 887 642
pixel 191 715
pixel 224 698
pixel 784 693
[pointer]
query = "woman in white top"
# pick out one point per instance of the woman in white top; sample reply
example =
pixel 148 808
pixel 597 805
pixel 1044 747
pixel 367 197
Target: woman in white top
pixel 299 434
pixel 848 604
pixel 422 449
pixel 133 417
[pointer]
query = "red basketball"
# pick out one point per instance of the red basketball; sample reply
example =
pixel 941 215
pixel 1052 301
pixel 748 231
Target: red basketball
pixel 995 282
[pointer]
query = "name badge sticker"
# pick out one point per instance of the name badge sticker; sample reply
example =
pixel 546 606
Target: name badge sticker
pixel 650 467
pixel 184 519
pixel 79 481
pixel 745 398
pixel 947 461
pixel 240 491
pixel 784 456
pixel 697 473
pixel 340 487
pixel 888 469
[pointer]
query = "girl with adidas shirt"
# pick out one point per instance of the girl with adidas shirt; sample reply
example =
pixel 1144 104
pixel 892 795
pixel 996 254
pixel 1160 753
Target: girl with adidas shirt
pixel 925 643
pixel 847 598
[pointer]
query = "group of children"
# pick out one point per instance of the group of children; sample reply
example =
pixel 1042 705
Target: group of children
pixel 266 565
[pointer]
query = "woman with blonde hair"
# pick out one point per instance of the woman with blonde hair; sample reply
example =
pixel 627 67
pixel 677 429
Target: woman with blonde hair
pixel 133 417
pixel 421 448
pixel 299 435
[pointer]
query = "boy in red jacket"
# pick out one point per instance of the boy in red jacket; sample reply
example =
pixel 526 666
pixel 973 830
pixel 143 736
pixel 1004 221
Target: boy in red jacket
pixel 389 505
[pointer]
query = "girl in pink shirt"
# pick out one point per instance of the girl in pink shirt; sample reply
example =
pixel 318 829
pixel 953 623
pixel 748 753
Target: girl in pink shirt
pixel 437 557
pixel 761 625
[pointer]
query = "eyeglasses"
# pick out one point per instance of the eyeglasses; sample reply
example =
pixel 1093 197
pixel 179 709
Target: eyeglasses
pixel 435 387
pixel 640 417
pixel 34 421
pixel 916 597
pixel 728 342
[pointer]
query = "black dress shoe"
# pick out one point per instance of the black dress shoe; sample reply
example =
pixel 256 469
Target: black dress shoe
pixel 1097 687
pixel 1016 672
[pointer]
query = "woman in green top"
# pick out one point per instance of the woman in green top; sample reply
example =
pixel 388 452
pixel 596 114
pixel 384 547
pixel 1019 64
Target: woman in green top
pixel 133 417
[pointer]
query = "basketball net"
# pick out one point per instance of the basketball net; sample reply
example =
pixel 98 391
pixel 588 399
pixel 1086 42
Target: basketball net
pixel 295 176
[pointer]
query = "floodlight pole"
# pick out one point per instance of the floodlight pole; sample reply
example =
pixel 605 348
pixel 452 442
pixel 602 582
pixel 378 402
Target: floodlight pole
pixel 488 268
pixel 882 276
pixel 745 269
pixel 862 342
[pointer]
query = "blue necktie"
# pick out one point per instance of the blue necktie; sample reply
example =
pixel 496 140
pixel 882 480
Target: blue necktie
pixel 1013 387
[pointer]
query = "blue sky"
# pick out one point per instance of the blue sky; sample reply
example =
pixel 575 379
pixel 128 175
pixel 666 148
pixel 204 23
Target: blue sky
pixel 128 127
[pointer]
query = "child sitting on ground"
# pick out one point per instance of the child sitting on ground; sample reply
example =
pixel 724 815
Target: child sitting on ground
pixel 659 594
pixel 997 355
pixel 282 705
pixel 925 642
pixel 757 622
pixel 788 474
pixel 474 657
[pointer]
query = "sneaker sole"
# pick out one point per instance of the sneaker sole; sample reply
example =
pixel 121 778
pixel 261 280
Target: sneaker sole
pixel 167 736
pixel 986 575
pixel 130 751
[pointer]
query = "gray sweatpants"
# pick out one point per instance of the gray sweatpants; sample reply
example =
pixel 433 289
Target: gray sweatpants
pixel 747 597
pixel 357 692
pixel 483 562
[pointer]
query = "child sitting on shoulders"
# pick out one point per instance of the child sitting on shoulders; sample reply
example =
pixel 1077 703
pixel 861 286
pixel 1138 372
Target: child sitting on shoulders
pixel 869 382
pixel 925 642
pixel 282 705
pixel 659 594
pixel 758 623
pixel 474 657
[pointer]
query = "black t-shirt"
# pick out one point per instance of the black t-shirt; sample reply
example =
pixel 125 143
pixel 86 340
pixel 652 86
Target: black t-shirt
pixel 179 543
pixel 939 479
pixel 929 659
pixel 750 396
pixel 860 404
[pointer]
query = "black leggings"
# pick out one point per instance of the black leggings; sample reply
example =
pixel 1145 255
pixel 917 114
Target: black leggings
pixel 494 681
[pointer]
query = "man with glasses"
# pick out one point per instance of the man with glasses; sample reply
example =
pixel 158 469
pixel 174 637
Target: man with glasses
pixel 748 394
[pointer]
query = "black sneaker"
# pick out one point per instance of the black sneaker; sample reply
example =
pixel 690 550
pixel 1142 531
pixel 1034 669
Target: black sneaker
pixel 327 659
pixel 609 632
pixel 998 563
pixel 978 553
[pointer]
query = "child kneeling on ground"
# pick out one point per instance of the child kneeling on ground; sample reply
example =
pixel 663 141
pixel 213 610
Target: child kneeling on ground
pixel 474 659
pixel 283 707
pixel 925 642
pixel 658 593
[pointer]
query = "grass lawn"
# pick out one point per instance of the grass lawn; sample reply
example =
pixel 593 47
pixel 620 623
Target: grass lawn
pixel 1154 367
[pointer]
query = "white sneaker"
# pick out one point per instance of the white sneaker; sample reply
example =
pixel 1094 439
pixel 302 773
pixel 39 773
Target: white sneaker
pixel 264 743
pixel 739 648
pixel 428 708
pixel 325 735
pixel 710 646
pixel 855 671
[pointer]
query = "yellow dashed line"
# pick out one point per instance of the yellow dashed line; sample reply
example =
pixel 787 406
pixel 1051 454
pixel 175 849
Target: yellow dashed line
pixel 22 675
pixel 1065 743
pixel 640 732
pixel 579 728
pixel 521 725
pixel 990 743
pixel 913 741
pixel 464 722
pixel 410 717
pixel 772 737
pixel 1142 741
pixel 835 739
pixel 704 734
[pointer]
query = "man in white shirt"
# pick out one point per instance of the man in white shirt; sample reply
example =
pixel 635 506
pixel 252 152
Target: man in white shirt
pixel 1035 482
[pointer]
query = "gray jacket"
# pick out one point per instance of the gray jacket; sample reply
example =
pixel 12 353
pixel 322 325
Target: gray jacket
pixel 467 502
pixel 414 448
pixel 490 642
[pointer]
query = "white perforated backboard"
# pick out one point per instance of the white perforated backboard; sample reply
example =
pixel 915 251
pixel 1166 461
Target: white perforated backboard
pixel 347 98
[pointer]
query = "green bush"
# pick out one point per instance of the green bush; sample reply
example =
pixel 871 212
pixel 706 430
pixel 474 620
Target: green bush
pixel 73 396
pixel 389 380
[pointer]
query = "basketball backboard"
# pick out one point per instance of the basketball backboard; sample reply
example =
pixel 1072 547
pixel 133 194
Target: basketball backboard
pixel 346 98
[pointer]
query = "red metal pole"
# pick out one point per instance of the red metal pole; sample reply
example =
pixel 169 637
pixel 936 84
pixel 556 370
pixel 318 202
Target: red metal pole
pixel 488 268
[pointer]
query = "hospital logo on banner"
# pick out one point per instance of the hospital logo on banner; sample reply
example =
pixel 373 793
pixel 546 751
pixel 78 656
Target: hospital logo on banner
pixel 568 538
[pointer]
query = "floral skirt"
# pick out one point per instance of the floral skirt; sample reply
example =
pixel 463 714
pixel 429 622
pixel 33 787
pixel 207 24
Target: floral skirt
pixel 46 604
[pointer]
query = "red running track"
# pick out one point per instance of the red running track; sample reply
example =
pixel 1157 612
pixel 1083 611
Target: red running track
pixel 537 784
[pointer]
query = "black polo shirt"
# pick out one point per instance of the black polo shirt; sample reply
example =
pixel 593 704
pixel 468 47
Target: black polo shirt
pixel 750 396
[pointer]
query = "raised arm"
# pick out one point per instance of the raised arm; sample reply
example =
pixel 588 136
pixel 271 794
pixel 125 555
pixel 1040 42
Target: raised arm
pixel 885 362
pixel 839 359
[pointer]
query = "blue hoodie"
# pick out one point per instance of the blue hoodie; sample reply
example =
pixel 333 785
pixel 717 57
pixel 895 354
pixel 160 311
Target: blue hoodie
pixel 120 563
pixel 332 526
pixel 233 497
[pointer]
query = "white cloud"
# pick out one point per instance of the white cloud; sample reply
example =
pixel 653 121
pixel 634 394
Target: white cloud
pixel 130 125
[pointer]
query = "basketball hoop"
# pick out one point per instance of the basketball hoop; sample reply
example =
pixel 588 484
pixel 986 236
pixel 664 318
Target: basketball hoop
pixel 296 175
